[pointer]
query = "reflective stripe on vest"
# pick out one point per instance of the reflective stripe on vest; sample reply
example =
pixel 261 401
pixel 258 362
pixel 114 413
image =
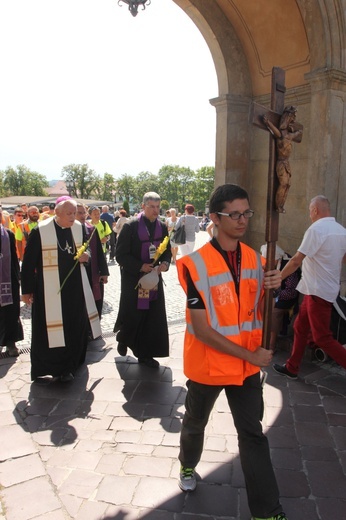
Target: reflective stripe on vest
pixel 205 283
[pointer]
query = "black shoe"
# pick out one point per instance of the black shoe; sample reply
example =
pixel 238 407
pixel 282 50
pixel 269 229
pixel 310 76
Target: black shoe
pixel 282 370
pixel 12 351
pixel 149 362
pixel 122 349
pixel 66 378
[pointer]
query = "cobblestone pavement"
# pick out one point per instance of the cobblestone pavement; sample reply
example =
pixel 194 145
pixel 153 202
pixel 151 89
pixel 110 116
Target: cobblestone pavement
pixel 105 446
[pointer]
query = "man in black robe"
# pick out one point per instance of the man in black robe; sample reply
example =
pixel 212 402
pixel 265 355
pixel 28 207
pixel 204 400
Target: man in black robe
pixel 57 286
pixel 10 326
pixel 142 323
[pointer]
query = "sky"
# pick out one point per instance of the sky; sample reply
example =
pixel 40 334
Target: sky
pixel 83 81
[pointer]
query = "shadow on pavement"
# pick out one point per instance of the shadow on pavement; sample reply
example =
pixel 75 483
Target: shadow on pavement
pixel 150 393
pixel 51 407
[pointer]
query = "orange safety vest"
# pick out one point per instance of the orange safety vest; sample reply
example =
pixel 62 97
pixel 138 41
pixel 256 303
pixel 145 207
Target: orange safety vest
pixel 238 319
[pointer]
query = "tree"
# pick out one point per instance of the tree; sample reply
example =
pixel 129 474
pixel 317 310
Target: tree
pixel 2 188
pixel 169 183
pixel 203 186
pixel 84 180
pixel 145 181
pixel 176 185
pixel 165 204
pixel 125 187
pixel 109 187
pixel 105 188
pixel 22 181
pixel 126 207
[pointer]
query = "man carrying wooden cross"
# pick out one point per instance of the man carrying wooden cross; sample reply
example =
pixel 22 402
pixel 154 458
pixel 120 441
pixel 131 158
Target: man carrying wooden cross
pixel 224 282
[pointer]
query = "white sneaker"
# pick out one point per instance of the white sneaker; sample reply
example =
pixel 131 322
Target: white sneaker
pixel 187 479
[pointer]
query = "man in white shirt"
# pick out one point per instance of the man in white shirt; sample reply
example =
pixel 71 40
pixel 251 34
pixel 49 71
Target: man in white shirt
pixel 321 255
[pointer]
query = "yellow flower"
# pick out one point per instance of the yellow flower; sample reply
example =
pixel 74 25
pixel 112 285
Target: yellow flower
pixel 159 251
pixel 81 250
pixel 77 256
pixel 161 248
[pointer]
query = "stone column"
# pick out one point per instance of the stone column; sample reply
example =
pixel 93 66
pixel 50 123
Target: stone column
pixel 232 139
pixel 327 154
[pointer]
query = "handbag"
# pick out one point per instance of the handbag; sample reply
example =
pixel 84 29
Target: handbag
pixel 179 237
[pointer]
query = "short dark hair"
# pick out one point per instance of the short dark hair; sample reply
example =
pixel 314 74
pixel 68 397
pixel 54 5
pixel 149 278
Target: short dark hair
pixel 225 193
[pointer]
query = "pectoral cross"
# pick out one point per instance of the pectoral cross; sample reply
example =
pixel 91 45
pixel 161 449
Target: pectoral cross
pixel 279 173
pixel 68 248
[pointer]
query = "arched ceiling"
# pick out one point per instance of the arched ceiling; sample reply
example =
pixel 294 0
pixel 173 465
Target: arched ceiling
pixel 271 33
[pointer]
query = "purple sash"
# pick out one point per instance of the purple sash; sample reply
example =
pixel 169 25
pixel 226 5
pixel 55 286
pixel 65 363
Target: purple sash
pixel 145 296
pixel 143 234
pixel 5 269
pixel 95 275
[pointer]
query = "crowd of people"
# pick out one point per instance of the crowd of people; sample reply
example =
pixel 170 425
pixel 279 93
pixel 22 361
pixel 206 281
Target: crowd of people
pixel 64 268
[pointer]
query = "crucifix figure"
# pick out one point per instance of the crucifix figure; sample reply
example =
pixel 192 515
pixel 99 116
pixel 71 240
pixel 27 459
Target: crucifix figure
pixel 284 135
pixel 284 130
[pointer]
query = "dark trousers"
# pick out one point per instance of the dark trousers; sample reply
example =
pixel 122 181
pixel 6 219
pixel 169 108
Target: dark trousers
pixel 111 243
pixel 246 405
pixel 99 303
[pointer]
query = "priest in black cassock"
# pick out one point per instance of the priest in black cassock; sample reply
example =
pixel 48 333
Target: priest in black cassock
pixel 142 323
pixel 55 282
pixel 10 326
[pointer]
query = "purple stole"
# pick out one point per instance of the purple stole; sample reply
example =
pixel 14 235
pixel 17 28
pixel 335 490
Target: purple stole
pixel 145 296
pixel 95 275
pixel 5 269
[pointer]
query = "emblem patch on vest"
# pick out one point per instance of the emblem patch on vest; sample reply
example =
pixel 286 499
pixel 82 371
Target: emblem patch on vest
pixel 222 294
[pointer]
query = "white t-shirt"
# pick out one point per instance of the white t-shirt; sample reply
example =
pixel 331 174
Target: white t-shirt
pixel 324 245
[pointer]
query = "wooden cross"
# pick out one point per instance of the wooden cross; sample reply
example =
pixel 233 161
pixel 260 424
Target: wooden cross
pixel 258 115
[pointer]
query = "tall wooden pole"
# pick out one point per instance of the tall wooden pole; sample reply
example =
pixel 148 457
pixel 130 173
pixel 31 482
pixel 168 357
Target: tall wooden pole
pixel 272 221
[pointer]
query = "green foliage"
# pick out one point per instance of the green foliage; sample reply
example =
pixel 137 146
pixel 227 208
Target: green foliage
pixel 105 188
pixel 125 187
pixel 84 180
pixel 145 181
pixel 22 181
pixel 126 207
pixel 165 204
pixel 203 185
pixel 176 185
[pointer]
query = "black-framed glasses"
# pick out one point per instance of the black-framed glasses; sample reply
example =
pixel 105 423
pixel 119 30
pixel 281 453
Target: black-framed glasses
pixel 235 215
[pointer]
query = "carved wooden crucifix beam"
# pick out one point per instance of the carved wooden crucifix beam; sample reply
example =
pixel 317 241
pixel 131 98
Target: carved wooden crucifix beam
pixel 270 120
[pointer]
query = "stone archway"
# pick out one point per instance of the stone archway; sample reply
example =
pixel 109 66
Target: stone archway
pixel 307 39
